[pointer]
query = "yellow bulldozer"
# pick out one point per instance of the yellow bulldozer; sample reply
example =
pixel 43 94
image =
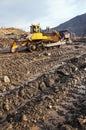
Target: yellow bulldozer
pixel 39 39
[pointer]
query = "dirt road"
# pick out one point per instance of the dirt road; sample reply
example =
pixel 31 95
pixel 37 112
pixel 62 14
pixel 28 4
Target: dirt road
pixel 44 90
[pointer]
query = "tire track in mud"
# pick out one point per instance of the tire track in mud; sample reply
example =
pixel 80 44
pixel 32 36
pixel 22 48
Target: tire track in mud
pixel 20 66
pixel 48 101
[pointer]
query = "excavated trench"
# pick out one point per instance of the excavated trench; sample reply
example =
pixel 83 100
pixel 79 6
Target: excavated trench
pixel 44 90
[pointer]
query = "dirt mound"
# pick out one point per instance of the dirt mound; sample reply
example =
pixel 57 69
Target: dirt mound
pixel 7 36
pixel 11 31
pixel 5 44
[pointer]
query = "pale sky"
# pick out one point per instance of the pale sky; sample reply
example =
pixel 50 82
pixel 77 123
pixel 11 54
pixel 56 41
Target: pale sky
pixel 23 13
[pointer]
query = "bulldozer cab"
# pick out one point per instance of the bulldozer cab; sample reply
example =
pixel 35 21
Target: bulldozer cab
pixel 35 28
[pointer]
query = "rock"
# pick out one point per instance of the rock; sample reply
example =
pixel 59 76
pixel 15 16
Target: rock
pixel 6 79
pixel 12 87
pixel 84 68
pixel 6 107
pixel 42 86
pixel 76 69
pixel 82 121
pixel 24 118
pixel 63 63
pixel 28 72
pixel 50 106
pixel 47 54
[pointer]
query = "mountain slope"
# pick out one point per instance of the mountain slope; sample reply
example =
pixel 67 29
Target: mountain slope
pixel 76 25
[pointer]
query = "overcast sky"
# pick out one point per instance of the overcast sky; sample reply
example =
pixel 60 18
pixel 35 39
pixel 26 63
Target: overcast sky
pixel 23 13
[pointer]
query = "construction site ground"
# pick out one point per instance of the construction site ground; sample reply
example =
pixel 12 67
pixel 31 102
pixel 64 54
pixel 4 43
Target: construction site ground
pixel 44 90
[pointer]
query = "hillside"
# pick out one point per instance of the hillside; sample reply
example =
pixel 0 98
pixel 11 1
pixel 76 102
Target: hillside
pixel 76 25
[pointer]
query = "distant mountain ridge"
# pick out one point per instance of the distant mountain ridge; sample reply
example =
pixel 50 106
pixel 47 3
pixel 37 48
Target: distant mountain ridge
pixel 76 25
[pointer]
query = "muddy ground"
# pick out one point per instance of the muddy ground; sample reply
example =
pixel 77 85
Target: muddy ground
pixel 44 90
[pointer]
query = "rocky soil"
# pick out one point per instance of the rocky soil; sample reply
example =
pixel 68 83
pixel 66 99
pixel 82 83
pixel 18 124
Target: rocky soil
pixel 44 90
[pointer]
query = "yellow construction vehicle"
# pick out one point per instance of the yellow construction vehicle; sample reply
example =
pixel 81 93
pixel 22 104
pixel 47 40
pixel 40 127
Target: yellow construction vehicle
pixel 38 39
